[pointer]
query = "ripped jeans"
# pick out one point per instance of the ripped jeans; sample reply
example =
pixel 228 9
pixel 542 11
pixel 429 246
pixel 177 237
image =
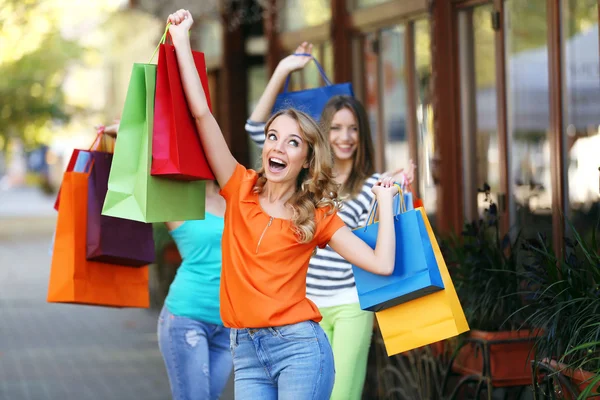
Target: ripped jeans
pixel 196 355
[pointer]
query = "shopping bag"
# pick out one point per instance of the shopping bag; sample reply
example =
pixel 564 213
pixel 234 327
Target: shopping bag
pixel 109 239
pixel 77 163
pixel 177 152
pixel 73 279
pixel 416 202
pixel 408 200
pixel 426 320
pixel 132 192
pixel 311 101
pixel 416 272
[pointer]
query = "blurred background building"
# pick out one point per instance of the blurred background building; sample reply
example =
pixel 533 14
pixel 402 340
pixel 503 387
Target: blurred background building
pixel 497 92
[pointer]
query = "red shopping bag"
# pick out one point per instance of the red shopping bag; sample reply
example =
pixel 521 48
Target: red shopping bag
pixel 176 149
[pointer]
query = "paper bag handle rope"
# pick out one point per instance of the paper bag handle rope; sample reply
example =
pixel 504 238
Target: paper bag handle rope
pixel 321 71
pixel 162 41
pixel 96 142
pixel 400 207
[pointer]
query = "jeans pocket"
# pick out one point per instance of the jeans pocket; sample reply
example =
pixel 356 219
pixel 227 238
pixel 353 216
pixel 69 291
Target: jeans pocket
pixel 300 332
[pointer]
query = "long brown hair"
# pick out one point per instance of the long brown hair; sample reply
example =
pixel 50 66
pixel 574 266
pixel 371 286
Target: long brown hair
pixel 363 165
pixel 315 186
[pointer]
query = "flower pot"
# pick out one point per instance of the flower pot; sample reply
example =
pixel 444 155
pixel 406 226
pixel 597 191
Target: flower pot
pixel 510 354
pixel 580 378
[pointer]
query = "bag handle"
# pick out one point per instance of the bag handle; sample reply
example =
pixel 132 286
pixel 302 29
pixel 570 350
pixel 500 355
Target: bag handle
pixel 96 143
pixel 400 207
pixel 321 71
pixel 162 41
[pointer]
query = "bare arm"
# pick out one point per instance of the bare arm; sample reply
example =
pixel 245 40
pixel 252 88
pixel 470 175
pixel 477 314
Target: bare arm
pixel 217 152
pixel 355 251
pixel 285 67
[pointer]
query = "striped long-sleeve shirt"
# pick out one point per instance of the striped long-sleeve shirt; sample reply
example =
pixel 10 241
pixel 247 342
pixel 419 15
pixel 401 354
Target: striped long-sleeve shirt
pixel 330 281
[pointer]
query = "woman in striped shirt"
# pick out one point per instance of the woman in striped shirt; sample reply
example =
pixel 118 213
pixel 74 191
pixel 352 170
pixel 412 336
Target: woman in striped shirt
pixel 330 281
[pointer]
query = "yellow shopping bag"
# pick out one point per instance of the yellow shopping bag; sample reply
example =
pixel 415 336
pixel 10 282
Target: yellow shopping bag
pixel 426 320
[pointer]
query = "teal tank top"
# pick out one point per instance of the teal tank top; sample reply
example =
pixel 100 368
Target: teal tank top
pixel 194 292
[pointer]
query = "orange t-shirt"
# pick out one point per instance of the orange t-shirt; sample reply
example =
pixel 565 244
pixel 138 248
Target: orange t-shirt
pixel 263 278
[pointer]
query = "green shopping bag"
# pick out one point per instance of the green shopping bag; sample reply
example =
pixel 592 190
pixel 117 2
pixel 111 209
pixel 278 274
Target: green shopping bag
pixel 132 192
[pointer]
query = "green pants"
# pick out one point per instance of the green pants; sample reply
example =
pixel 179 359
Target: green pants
pixel 349 331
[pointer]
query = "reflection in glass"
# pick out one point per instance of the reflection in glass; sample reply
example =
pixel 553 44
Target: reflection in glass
pixel 425 138
pixel 397 151
pixel 582 111
pixel 528 115
pixel 300 14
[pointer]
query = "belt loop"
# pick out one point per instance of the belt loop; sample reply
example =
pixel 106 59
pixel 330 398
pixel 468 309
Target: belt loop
pixel 233 337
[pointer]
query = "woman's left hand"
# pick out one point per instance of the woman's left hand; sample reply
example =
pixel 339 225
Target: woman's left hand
pixel 385 187
pixel 181 21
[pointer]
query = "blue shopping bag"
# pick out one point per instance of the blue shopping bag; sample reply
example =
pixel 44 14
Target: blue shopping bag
pixel 416 273
pixel 311 101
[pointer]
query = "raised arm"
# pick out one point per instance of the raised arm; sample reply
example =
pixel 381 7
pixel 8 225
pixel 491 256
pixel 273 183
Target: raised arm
pixel 355 251
pixel 217 152
pixel 286 66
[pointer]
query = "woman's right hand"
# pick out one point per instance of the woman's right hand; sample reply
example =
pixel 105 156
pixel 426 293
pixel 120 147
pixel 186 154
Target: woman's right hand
pixel 293 62
pixel 181 21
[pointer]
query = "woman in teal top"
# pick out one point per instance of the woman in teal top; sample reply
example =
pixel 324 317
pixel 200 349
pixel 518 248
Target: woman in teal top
pixel 192 339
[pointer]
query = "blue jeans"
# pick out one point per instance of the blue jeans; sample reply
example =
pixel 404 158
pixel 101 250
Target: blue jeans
pixel 196 355
pixel 290 362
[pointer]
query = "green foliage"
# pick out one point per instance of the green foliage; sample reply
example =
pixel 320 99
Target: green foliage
pixel 484 270
pixel 563 298
pixel 31 85
pixel 32 95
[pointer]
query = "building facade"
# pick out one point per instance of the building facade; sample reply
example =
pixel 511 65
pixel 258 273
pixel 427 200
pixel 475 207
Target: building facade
pixel 498 92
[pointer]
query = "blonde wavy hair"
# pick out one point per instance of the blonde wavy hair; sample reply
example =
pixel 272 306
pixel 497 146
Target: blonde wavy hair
pixel 315 186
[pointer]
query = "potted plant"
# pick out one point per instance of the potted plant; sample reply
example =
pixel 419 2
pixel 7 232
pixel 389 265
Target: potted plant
pixel 564 300
pixel 484 266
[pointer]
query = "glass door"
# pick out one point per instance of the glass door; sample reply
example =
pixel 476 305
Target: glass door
pixel 478 118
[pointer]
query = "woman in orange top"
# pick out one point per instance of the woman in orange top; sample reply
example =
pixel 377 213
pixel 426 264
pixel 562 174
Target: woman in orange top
pixel 274 219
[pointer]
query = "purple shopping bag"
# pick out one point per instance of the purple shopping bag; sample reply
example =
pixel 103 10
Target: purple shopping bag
pixel 109 239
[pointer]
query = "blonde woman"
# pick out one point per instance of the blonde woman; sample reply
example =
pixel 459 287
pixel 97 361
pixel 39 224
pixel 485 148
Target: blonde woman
pixel 274 220
pixel 330 281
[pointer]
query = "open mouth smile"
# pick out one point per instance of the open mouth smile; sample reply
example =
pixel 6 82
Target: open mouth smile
pixel 276 164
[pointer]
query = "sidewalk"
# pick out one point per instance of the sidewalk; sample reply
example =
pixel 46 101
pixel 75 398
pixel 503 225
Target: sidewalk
pixel 26 210
pixel 62 351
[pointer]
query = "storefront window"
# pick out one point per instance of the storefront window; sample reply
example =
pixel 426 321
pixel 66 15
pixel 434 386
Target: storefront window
pixel 312 77
pixel 581 111
pixel 397 152
pixel 257 82
pixel 528 116
pixel 478 92
pixel 371 101
pixel 327 60
pixel 426 148
pixel 300 14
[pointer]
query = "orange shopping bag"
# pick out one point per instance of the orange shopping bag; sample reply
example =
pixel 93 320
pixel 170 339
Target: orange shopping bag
pixel 73 279
pixel 426 320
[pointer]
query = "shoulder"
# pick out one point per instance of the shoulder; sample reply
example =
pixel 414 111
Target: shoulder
pixel 242 180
